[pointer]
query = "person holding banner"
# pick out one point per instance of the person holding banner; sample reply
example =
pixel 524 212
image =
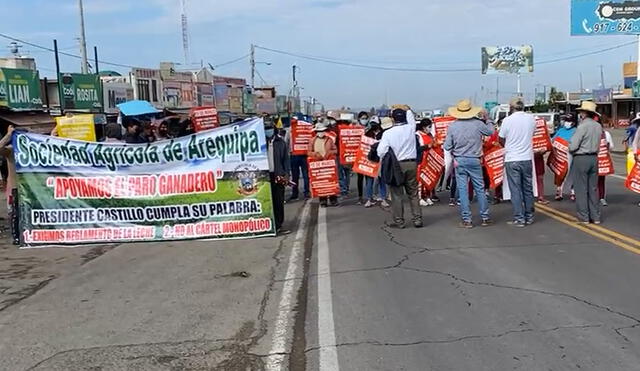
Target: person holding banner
pixel 606 146
pixel 11 185
pixel 374 132
pixel 567 128
pixel 584 146
pixel 516 136
pixel 400 140
pixel 279 170
pixel 464 140
pixel 425 141
pixel 297 138
pixel 635 147
pixel 322 147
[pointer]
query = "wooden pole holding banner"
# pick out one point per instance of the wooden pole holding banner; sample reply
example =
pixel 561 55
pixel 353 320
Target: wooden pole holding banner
pixel 60 95
pixel 95 55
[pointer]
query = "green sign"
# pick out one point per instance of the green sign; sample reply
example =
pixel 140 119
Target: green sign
pixel 81 92
pixel 20 89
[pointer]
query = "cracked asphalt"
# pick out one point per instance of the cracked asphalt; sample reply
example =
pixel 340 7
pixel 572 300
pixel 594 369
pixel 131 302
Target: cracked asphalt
pixel 545 297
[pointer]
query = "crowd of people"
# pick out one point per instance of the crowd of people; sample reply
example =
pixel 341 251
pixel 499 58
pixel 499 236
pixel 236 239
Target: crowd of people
pixel 402 147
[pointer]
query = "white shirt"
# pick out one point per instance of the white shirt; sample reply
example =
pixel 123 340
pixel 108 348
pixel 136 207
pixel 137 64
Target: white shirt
pixel 609 140
pixel 401 138
pixel 517 130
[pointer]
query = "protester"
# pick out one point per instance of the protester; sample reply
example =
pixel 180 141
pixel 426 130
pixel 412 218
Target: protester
pixel 363 120
pixel 162 131
pixel 602 193
pixel 567 128
pixel 134 133
pixel 425 142
pixel 279 169
pixel 516 135
pixel 397 150
pixel 584 147
pixel 299 168
pixel 464 141
pixel 11 185
pixel 635 147
pixel 374 131
pixel 113 132
pixel 489 142
pixel 322 147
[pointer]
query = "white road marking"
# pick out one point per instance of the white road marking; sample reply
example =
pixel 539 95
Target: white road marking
pixel 619 176
pixel 328 358
pixel 279 347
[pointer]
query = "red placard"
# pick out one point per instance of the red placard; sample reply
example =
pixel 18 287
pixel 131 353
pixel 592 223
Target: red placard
pixel 633 180
pixel 541 139
pixel 204 118
pixel 349 142
pixel 301 135
pixel 558 161
pixel 363 165
pixel 494 163
pixel 441 125
pixel 431 168
pixel 323 178
pixel 605 164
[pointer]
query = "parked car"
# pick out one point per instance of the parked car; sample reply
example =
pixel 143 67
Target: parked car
pixel 552 119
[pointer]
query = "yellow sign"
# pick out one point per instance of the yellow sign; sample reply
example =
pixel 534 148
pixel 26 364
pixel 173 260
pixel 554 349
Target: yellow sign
pixel 80 127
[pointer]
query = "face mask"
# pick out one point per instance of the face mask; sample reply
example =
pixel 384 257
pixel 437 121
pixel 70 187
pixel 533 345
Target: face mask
pixel 269 133
pixel 321 134
pixel 364 122
pixel 568 124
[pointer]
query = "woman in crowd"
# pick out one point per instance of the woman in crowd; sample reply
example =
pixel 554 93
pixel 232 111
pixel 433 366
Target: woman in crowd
pixel 568 124
pixel 602 178
pixel 375 131
pixel 363 120
pixel 322 147
pixel 425 141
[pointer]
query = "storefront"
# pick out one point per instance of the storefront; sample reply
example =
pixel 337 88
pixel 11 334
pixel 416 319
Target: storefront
pixel 624 108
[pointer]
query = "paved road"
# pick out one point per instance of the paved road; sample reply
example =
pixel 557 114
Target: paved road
pixel 342 292
pixel 547 297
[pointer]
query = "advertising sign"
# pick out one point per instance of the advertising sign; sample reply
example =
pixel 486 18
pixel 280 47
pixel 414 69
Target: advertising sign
pixel 20 89
pixel 213 184
pixel 633 180
pixel 507 59
pixel 301 135
pixel 494 163
pixel 349 136
pixel 597 17
pixel 362 164
pixel 204 118
pixel 81 92
pixel 605 163
pixel 558 160
pixel 116 93
pixel 79 127
pixel 541 139
pixel 441 126
pixel 602 95
pixel 432 168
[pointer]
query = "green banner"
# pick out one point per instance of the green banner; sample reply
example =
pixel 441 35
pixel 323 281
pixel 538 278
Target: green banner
pixel 213 184
pixel 20 89
pixel 81 92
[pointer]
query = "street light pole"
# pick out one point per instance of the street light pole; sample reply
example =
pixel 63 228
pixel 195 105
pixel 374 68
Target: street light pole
pixel 253 66
pixel 83 43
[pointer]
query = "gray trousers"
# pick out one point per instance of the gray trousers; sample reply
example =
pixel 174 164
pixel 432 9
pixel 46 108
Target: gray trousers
pixel 585 182
pixel 410 186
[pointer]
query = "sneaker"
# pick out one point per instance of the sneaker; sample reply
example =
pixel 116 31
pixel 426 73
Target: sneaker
pixel 426 202
pixel 396 225
pixel 528 222
pixel 435 198
pixel 486 222
pixel 597 222
pixel 465 225
pixel 282 232
pixel 572 197
pixel 384 203
pixel 515 223
pixel 369 204
pixel 542 201
pixel 452 202
pixel 603 202
pixel 377 199
pixel 418 224
pixel 559 198
pixel 582 222
pixel 360 201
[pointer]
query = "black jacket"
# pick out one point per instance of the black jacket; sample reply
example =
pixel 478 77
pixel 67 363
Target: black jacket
pixel 390 170
pixel 281 162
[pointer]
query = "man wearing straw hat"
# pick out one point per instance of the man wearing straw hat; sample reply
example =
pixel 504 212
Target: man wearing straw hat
pixel 464 140
pixel 584 147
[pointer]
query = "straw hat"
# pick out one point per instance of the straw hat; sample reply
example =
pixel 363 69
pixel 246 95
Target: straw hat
pixel 386 123
pixel 464 110
pixel 321 126
pixel 588 106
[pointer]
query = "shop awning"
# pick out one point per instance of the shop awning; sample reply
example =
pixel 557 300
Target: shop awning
pixel 136 108
pixel 37 122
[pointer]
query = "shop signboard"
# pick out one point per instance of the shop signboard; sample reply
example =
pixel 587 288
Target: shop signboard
pixel 507 59
pixel 20 89
pixel 597 17
pixel 114 94
pixel 79 126
pixel 81 91
pixel 602 95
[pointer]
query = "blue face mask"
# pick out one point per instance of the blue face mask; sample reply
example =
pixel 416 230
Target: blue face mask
pixel 269 133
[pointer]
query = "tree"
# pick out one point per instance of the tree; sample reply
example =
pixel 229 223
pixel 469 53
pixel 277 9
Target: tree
pixel 555 96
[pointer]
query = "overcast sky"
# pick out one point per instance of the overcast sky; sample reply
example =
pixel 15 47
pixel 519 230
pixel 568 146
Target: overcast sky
pixel 402 33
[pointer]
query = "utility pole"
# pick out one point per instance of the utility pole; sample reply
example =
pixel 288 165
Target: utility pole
pixel 83 43
pixel 185 33
pixel 581 85
pixel 252 61
pixel 601 76
pixel 295 82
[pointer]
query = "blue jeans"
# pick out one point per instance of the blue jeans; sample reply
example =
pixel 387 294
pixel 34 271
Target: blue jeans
pixel 299 167
pixel 520 178
pixel 471 168
pixel 369 188
pixel 344 173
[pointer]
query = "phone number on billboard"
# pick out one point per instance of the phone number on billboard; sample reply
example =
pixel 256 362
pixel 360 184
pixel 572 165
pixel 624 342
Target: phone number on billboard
pixel 622 26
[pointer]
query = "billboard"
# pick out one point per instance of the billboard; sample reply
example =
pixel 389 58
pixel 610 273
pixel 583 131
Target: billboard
pixel 213 184
pixel 81 92
pixel 507 59
pixel 20 89
pixel 596 17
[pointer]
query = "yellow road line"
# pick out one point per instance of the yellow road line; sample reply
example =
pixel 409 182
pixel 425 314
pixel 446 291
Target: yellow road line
pixel 602 233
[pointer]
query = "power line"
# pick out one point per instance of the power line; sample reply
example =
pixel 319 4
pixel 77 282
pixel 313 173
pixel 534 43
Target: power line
pixel 231 61
pixel 589 53
pixel 261 78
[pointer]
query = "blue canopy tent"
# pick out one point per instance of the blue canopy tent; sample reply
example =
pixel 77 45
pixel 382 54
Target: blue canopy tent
pixel 137 108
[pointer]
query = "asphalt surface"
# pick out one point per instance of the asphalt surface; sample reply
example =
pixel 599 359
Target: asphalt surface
pixel 343 292
pixel 546 297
